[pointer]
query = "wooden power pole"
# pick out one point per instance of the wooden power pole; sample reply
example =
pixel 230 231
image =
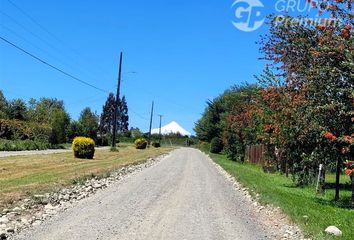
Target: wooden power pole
pixel 116 106
pixel 152 113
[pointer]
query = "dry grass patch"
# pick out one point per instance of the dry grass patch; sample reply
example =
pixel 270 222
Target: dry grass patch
pixel 23 176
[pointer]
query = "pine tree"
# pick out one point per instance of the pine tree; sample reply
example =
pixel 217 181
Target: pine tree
pixel 107 116
pixel 106 119
pixel 123 117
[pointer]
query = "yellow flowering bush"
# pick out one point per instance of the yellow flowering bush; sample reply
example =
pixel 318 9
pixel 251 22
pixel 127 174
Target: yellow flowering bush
pixel 83 147
pixel 140 143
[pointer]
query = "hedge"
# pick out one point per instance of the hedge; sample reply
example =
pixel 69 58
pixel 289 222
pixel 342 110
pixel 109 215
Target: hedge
pixel 22 145
pixel 20 130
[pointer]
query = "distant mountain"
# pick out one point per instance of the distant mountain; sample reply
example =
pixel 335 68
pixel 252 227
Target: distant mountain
pixel 171 128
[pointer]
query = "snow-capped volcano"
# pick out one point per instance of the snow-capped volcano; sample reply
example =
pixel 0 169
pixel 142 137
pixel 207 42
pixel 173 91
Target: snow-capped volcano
pixel 171 128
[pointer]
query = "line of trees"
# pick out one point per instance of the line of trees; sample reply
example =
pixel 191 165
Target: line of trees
pixel 302 107
pixel 51 113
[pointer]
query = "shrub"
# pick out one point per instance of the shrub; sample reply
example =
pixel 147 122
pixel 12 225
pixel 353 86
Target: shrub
pixel 105 140
pixel 20 130
pixel 216 145
pixel 83 147
pixel 140 143
pixel 22 145
pixel 156 144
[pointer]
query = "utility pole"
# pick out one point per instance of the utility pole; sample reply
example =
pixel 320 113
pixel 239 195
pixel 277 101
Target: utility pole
pixel 152 113
pixel 117 102
pixel 160 128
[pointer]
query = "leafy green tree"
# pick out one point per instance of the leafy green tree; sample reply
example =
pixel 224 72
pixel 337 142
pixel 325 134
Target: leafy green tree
pixel 60 123
pixel 74 129
pixel 316 64
pixel 208 127
pixel 136 133
pixel 242 121
pixel 42 111
pixel 89 123
pixel 17 109
pixel 3 106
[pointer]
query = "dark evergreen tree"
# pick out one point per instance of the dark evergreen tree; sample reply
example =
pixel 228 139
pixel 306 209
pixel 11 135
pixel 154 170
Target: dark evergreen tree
pixel 107 116
pixel 106 119
pixel 123 117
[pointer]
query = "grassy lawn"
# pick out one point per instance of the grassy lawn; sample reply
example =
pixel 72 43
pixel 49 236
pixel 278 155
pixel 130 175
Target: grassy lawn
pixel 23 176
pixel 297 202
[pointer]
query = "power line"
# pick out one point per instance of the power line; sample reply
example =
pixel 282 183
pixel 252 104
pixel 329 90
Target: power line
pixel 55 48
pixel 52 66
pixel 51 34
pixel 137 114
pixel 35 46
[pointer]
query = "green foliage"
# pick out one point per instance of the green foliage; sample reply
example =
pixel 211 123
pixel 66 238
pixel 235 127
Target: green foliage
pixel 156 144
pixel 216 145
pixel 3 106
pixel 83 147
pixel 17 109
pixel 123 117
pixel 106 118
pixel 41 111
pixel 140 143
pixel 208 126
pixel 105 140
pixel 74 130
pixel 89 123
pixel 22 145
pixel 20 130
pixel 136 133
pixel 60 123
pixel 279 191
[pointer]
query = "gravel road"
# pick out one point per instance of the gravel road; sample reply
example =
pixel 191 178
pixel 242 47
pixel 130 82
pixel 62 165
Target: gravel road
pixel 182 197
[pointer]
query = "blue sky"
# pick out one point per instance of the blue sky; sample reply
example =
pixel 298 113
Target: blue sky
pixel 183 52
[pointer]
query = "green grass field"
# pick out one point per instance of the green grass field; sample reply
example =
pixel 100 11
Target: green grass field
pixel 297 202
pixel 23 176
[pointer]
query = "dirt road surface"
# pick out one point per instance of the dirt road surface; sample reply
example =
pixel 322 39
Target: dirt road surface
pixel 182 197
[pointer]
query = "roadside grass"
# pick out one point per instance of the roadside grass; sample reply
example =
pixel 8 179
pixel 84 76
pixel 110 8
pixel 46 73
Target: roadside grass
pixel 24 176
pixel 279 191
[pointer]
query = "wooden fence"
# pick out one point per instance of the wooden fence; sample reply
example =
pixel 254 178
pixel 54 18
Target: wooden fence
pixel 255 154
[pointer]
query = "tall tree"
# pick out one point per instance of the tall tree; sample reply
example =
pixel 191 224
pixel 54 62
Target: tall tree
pixel 316 63
pixel 17 109
pixel 60 123
pixel 3 105
pixel 89 123
pixel 208 126
pixel 123 117
pixel 42 111
pixel 74 130
pixel 106 118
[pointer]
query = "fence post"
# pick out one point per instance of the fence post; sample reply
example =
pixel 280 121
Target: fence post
pixel 319 178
